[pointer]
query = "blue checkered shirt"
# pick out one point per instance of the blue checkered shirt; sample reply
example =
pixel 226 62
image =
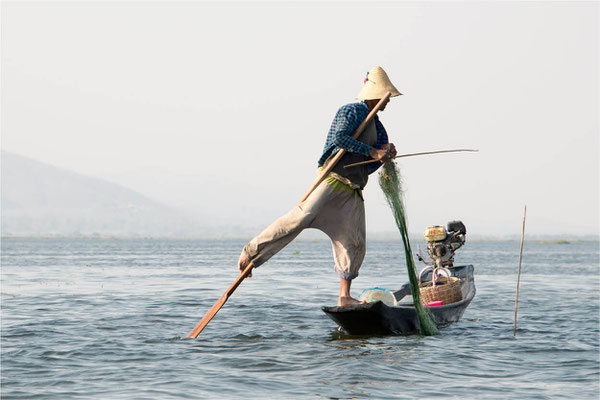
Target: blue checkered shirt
pixel 345 123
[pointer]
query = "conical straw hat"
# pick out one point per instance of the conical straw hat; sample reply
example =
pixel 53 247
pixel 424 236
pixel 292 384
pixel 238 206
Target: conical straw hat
pixel 377 84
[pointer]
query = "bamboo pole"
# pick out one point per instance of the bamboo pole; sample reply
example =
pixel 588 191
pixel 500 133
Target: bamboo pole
pixel 414 154
pixel 519 273
pixel 248 270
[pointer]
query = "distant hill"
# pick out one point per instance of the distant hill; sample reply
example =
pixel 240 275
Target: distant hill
pixel 40 199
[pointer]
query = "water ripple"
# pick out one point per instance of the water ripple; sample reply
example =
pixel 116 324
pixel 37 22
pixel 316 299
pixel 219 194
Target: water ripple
pixel 108 318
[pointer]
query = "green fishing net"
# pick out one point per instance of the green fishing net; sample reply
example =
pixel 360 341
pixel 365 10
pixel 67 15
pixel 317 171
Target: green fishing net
pixel 390 182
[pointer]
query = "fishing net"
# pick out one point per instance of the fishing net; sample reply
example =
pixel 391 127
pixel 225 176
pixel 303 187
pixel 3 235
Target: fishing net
pixel 389 180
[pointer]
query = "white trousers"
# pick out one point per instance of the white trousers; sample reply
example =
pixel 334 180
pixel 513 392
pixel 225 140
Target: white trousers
pixel 340 214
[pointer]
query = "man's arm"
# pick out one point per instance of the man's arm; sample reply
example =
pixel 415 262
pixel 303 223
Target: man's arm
pixel 345 123
pixel 383 150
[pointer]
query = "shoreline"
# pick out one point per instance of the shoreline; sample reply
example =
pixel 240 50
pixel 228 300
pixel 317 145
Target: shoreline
pixel 546 239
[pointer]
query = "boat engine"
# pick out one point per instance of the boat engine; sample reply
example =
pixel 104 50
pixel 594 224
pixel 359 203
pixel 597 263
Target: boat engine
pixel 442 243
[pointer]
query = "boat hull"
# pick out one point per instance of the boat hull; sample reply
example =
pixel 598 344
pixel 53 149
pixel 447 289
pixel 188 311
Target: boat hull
pixel 378 318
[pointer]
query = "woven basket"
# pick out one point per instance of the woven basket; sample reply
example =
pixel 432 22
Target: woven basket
pixel 446 290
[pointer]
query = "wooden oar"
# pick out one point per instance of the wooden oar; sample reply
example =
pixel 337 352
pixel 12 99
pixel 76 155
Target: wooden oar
pixel 220 303
pixel 217 306
pixel 412 154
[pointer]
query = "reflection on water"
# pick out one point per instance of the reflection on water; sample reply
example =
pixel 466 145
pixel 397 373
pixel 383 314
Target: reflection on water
pixel 108 318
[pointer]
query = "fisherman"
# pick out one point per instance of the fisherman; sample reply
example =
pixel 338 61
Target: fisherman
pixel 336 207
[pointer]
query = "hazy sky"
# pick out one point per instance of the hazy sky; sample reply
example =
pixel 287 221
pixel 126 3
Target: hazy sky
pixel 223 108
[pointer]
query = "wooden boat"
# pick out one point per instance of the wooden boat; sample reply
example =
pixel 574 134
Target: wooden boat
pixel 378 318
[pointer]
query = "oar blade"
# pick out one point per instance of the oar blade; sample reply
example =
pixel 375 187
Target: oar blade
pixel 208 317
pixel 217 306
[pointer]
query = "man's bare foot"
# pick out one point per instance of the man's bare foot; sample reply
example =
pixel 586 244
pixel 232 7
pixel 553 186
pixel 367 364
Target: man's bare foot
pixel 347 301
pixel 243 263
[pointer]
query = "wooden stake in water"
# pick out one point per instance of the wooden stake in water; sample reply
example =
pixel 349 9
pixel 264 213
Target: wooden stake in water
pixel 519 273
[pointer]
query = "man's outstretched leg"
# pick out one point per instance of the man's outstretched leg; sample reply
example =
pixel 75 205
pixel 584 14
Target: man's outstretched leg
pixel 345 298
pixel 285 229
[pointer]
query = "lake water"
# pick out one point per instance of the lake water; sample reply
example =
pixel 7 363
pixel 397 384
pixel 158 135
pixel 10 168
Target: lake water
pixel 107 319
